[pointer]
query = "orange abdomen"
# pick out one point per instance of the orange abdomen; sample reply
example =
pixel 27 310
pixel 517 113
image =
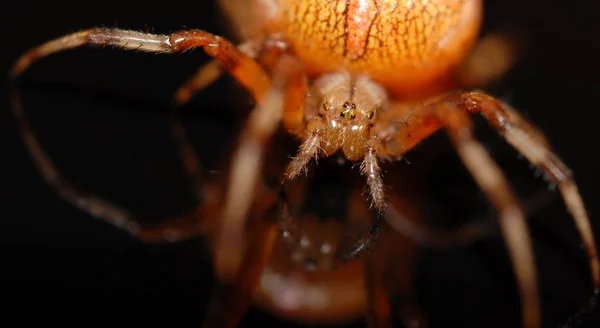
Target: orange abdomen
pixel 406 45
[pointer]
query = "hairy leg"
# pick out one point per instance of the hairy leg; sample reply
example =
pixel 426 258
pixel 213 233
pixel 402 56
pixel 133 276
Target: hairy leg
pixel 240 66
pixel 444 111
pixel 530 142
pixel 422 122
pixel 517 131
pixel 491 180
pixel 371 170
pixel 308 151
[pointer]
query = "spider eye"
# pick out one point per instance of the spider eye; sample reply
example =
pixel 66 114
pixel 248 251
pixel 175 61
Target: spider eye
pixel 349 106
pixel 348 110
pixel 371 114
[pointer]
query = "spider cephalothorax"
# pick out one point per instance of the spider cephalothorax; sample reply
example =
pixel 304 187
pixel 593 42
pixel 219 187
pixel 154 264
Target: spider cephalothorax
pixel 341 110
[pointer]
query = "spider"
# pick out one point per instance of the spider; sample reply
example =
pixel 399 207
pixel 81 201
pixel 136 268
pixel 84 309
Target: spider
pixel 370 79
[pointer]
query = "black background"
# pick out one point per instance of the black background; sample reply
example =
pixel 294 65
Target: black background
pixel 101 115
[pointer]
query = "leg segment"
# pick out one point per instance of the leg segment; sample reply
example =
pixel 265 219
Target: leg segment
pixel 371 170
pixel 190 160
pixel 208 74
pixel 463 235
pixel 231 299
pixel 174 229
pixel 205 76
pixel 390 286
pixel 246 166
pixel 240 66
pixel 432 238
pixel 243 181
pixel 309 150
pixel 378 296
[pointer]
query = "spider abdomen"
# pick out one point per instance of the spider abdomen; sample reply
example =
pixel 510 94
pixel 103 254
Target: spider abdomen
pixel 405 45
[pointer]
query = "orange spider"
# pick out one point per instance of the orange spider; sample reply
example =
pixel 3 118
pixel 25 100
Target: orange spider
pixel 369 78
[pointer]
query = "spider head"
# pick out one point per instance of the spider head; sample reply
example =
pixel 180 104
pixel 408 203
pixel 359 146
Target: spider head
pixel 350 106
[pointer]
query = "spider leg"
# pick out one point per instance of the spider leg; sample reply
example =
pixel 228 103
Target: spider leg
pixel 173 229
pixel 206 191
pixel 388 274
pixel 525 138
pixel 243 68
pixel 518 132
pixel 231 299
pixel 246 164
pixel 430 237
pixel 512 222
pixel 243 179
pixel 294 123
pixel 370 168
pixel 463 235
pixel 378 297
pixel 208 74
pixel 530 142
pixel 308 151
pixel 227 57
pixel 389 286
pixel 189 158
pixel 443 112
pixel 240 268
pixel 230 250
